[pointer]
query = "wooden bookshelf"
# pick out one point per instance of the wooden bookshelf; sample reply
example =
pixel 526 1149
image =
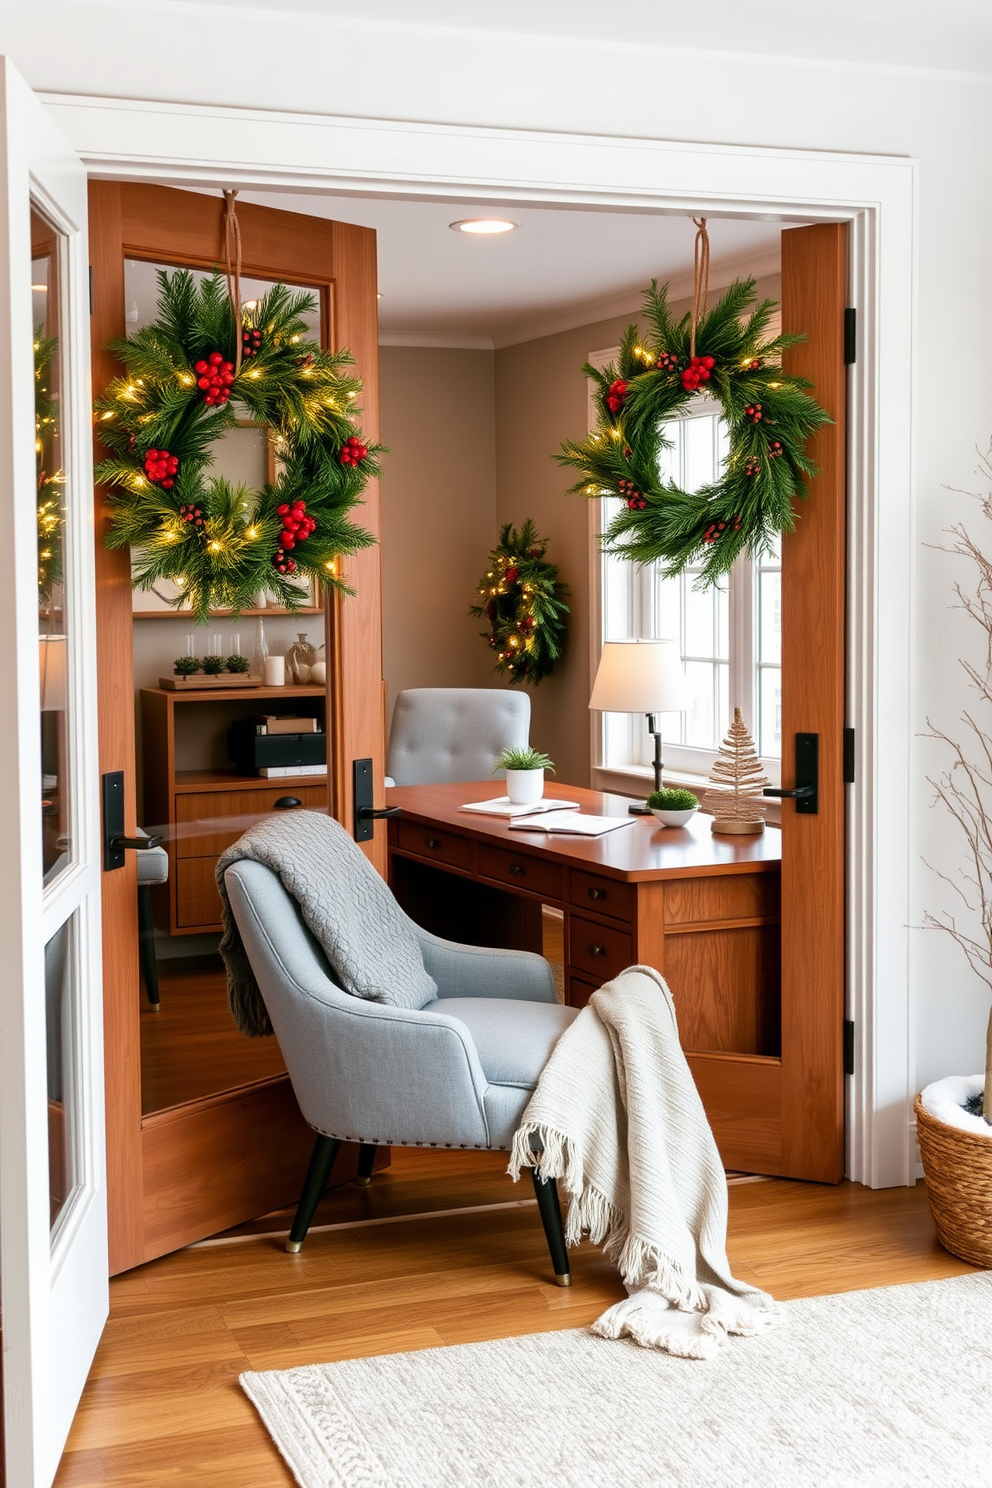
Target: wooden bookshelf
pixel 199 805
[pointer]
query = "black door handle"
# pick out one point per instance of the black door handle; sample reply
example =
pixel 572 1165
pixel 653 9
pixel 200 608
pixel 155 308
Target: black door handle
pixel 806 791
pixel 365 812
pixel 138 843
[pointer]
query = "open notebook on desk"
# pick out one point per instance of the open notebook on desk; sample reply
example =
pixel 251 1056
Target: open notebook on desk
pixel 503 806
pixel 575 823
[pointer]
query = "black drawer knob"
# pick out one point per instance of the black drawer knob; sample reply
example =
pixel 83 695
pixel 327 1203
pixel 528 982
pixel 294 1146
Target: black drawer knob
pixel 596 893
pixel 517 869
pixel 432 842
pixel 286 803
pixel 597 950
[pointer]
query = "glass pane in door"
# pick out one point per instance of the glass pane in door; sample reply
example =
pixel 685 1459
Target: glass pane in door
pixel 190 790
pixel 60 1043
pixel 52 500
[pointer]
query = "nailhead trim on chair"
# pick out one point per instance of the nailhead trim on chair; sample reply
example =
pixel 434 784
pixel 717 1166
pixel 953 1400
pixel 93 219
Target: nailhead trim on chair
pixel 396 1142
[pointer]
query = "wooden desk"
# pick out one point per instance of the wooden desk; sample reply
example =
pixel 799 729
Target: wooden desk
pixel 702 909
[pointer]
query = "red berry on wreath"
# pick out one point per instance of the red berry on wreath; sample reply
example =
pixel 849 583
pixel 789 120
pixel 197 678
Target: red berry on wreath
pixel 774 450
pixel 160 467
pixel 616 395
pixel 215 379
pixel 753 412
pixel 511 575
pixel 698 371
pixel 353 451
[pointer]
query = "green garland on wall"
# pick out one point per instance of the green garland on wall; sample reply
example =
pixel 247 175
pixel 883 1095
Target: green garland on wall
pixel 523 604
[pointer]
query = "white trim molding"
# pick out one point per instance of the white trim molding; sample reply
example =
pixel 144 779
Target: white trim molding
pixel 189 145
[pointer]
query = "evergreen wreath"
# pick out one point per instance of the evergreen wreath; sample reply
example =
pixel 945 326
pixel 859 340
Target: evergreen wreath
pixel 769 416
pixel 523 603
pixel 189 373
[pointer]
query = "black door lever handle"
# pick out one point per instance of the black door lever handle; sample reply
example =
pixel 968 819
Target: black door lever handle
pixel 138 843
pixel 369 813
pixel 806 791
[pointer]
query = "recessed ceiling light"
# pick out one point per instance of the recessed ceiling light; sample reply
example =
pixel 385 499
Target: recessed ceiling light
pixel 484 226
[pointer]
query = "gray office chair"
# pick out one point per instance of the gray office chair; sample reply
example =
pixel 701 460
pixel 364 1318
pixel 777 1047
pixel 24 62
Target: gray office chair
pixel 453 733
pixel 456 1073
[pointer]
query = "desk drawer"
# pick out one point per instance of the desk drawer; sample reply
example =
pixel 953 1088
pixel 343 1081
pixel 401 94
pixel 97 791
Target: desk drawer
pixel 607 896
pixel 598 950
pixel 518 870
pixel 209 821
pixel 432 842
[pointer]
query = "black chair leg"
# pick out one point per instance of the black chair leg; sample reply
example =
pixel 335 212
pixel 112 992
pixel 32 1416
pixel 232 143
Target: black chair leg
pixel 146 945
pixel 366 1157
pixel 325 1150
pixel 546 1190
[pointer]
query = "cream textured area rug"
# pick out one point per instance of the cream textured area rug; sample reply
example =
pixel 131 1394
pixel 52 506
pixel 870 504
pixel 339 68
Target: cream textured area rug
pixel 881 1388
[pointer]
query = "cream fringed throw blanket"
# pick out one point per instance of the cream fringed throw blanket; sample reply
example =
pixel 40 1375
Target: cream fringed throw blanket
pixel 617 1120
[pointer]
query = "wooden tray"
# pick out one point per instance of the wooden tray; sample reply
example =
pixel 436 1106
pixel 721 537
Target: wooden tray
pixel 201 680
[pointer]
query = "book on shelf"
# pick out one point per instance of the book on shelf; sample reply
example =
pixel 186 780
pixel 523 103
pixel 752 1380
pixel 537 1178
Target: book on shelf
pixel 503 806
pixel 279 772
pixel 574 823
pixel 283 723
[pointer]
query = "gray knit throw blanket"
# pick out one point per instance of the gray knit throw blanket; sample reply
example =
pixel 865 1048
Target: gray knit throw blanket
pixel 350 910
pixel 617 1119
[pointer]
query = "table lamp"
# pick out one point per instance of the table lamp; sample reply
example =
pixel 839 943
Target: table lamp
pixel 641 677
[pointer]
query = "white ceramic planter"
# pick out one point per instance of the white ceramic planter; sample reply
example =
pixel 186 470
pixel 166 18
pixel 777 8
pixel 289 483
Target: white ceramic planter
pixel 673 818
pixel 524 786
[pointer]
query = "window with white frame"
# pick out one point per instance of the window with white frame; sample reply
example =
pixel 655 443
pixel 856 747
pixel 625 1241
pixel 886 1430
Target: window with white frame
pixel 729 636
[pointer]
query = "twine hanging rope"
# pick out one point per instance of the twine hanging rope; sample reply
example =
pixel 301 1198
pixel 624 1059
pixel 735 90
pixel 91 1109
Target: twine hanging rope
pixel 701 274
pixel 232 251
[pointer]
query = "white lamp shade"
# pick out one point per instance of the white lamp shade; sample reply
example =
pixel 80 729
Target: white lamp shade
pixel 52 672
pixel 639 677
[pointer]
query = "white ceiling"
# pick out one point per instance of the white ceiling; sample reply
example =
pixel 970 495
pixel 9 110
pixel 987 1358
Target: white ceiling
pixel 561 268
pixel 953 35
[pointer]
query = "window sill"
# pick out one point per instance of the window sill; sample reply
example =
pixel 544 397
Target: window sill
pixel 637 783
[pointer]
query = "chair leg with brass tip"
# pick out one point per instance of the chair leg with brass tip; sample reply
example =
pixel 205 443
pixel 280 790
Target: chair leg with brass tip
pixel 325 1150
pixel 546 1190
pixel 366 1157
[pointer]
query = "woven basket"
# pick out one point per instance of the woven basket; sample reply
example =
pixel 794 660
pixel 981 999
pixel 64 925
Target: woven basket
pixel 957 1165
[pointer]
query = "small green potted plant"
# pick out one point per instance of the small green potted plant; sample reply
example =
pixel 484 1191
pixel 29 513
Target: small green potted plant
pixel 186 666
pixel 213 665
pixel 237 663
pixel 524 773
pixel 672 808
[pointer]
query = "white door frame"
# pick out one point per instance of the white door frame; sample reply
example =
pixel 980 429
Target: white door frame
pixel 187 145
pixel 54 1280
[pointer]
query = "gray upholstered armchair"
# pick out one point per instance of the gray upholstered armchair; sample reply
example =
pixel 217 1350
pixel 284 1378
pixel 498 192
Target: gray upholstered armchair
pixel 453 733
pixel 456 1073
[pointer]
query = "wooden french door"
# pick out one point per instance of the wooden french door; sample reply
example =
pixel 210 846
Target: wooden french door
pixel 785 1115
pixel 192 1170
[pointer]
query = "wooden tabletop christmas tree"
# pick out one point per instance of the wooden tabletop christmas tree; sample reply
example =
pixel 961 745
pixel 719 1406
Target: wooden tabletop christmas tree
pixel 737 781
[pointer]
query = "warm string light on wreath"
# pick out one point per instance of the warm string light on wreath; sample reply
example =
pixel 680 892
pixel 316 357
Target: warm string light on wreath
pixel 202 361
pixel 727 354
pixel 523 602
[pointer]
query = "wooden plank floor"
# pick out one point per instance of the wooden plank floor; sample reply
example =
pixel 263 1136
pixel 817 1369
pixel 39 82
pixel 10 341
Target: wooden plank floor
pixel 163 1405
